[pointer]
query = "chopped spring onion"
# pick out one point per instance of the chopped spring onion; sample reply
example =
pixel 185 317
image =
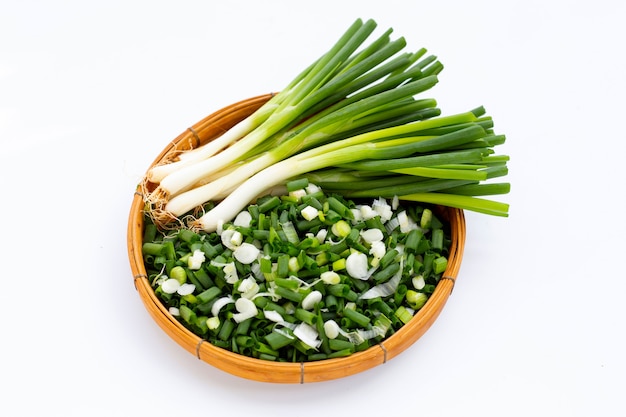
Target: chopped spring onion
pixel 245 309
pixel 357 265
pixel 297 304
pixel 246 253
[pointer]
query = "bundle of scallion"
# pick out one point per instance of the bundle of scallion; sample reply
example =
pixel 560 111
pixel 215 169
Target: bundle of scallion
pixel 351 123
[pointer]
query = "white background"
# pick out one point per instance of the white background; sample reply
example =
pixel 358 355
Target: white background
pixel 90 92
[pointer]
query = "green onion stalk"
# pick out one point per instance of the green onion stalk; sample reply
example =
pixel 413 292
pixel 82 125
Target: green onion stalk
pixel 338 79
pixel 351 122
pixel 396 142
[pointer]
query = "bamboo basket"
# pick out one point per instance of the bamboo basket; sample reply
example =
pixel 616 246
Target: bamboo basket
pixel 267 371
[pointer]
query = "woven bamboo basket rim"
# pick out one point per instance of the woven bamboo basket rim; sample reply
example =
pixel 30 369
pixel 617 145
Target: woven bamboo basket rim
pixel 262 370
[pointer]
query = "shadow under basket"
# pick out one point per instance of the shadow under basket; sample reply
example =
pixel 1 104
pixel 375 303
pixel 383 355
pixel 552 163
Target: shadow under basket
pixel 262 370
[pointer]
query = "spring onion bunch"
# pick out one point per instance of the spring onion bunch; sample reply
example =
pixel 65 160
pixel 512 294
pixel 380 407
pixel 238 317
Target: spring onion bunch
pixel 302 277
pixel 351 122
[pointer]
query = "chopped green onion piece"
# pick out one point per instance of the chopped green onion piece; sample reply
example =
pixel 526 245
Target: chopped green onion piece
pixel 403 314
pixel 440 264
